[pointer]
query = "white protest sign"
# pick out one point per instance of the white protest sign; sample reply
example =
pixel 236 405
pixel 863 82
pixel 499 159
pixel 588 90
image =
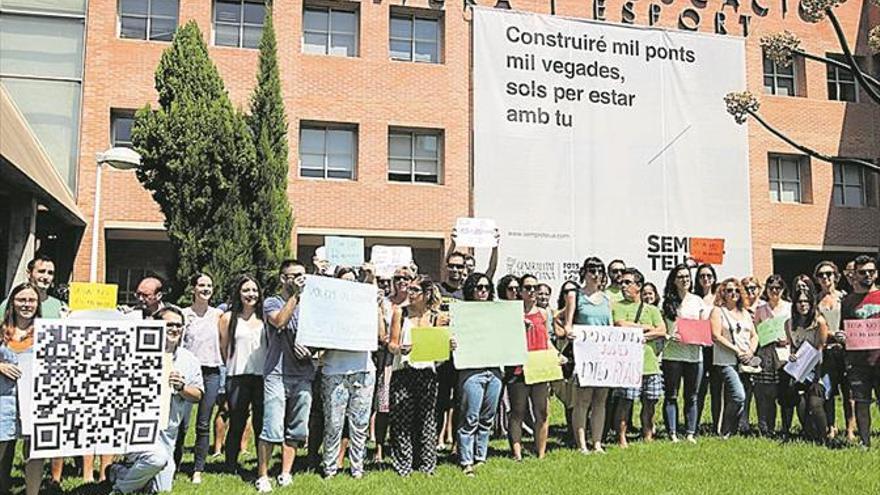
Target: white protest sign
pixel 26 392
pixel 475 232
pixel 806 359
pixel 338 314
pixel 608 356
pixel 571 110
pixel 386 259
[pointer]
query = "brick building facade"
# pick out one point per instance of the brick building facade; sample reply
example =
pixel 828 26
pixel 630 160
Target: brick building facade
pixel 369 90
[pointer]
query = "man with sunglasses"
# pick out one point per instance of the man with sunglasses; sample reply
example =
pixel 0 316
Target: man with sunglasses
pixel 863 366
pixel 289 373
pixel 615 274
pixel 450 289
pixel 153 471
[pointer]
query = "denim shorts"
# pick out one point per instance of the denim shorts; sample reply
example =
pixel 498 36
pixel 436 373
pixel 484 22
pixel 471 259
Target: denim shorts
pixel 287 402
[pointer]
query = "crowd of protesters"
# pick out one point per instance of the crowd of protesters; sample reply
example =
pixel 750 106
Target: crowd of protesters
pixel 239 365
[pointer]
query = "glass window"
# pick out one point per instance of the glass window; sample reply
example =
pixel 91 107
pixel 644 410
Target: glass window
pixel 238 23
pixel 41 46
pixel 49 6
pixel 327 152
pixel 785 174
pixel 779 80
pixel 121 122
pixel 841 82
pixel 154 20
pixel 330 31
pixel 414 156
pixel 849 185
pixel 414 37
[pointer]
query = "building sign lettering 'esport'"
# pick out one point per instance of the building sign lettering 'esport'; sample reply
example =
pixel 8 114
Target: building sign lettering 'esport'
pixel 601 139
pixel 730 17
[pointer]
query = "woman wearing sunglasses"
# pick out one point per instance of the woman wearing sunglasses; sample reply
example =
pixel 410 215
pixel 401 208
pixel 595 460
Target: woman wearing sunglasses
pixel 682 363
pixel 588 306
pixel 735 343
pixel 827 277
pixel 775 304
pixel 711 381
pixel 806 327
pixel 480 389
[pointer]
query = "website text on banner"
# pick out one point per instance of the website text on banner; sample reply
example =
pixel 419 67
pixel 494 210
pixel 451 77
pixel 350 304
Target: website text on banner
pixel 607 122
pixel 608 356
pixel 338 314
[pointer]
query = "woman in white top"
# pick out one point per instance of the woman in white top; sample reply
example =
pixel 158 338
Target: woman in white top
pixel 775 304
pixel 735 343
pixel 202 338
pixel 827 277
pixel 414 385
pixel 243 348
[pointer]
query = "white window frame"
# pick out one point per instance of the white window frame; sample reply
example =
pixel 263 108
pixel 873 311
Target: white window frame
pixel 149 21
pixel 775 184
pixel 412 134
pixel 833 76
pixel 412 16
pixel 115 115
pixel 326 127
pixel 839 172
pixel 330 9
pixel 241 24
pixel 776 76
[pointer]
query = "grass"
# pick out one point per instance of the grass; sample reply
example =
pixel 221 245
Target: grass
pixel 737 466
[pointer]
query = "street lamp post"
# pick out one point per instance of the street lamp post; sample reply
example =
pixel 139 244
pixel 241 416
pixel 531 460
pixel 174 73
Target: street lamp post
pixel 118 158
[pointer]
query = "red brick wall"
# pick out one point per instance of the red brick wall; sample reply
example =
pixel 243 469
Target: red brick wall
pixel 375 93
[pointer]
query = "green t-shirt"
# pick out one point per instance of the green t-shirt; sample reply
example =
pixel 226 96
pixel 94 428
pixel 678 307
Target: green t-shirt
pixel 626 311
pixel 51 308
pixel 615 294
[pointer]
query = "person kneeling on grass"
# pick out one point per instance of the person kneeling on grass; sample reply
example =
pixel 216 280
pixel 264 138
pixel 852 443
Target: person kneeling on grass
pixel 153 471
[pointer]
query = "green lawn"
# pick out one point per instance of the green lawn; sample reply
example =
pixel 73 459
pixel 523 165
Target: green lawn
pixel 737 466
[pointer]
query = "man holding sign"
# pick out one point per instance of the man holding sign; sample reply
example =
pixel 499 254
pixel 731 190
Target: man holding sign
pixel 632 312
pixel 863 366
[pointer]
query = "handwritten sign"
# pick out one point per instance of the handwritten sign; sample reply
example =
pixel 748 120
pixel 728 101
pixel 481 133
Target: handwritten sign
pixel 345 251
pixel 862 334
pixel 475 232
pixel 771 330
pixel 542 366
pixel 488 334
pixel 707 250
pixel 85 295
pixel 429 344
pixel 608 356
pixel 697 332
pixel 386 259
pixel 338 314
pixel 806 359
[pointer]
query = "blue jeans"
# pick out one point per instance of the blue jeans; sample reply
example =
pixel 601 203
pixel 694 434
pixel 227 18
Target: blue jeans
pixel 150 472
pixel 211 377
pixel 287 401
pixel 734 398
pixel 674 372
pixel 480 391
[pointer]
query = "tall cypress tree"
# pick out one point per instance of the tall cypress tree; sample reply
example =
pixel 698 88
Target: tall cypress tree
pixel 197 153
pixel 271 216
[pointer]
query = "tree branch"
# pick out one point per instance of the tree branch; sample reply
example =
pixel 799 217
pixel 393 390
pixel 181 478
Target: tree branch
pixel 836 63
pixel 856 70
pixel 809 151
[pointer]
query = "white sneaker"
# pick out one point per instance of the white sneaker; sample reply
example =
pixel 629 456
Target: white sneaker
pixel 263 484
pixel 284 479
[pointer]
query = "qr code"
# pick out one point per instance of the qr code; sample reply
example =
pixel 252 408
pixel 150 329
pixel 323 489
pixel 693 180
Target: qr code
pixel 97 387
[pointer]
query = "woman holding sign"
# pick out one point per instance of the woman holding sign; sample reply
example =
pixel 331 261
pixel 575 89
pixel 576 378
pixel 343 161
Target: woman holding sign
pixel 682 361
pixel 480 390
pixel 16 337
pixel 588 306
pixel 775 305
pixel 807 327
pixel 710 383
pixel 414 384
pixel 735 343
pixel 537 322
